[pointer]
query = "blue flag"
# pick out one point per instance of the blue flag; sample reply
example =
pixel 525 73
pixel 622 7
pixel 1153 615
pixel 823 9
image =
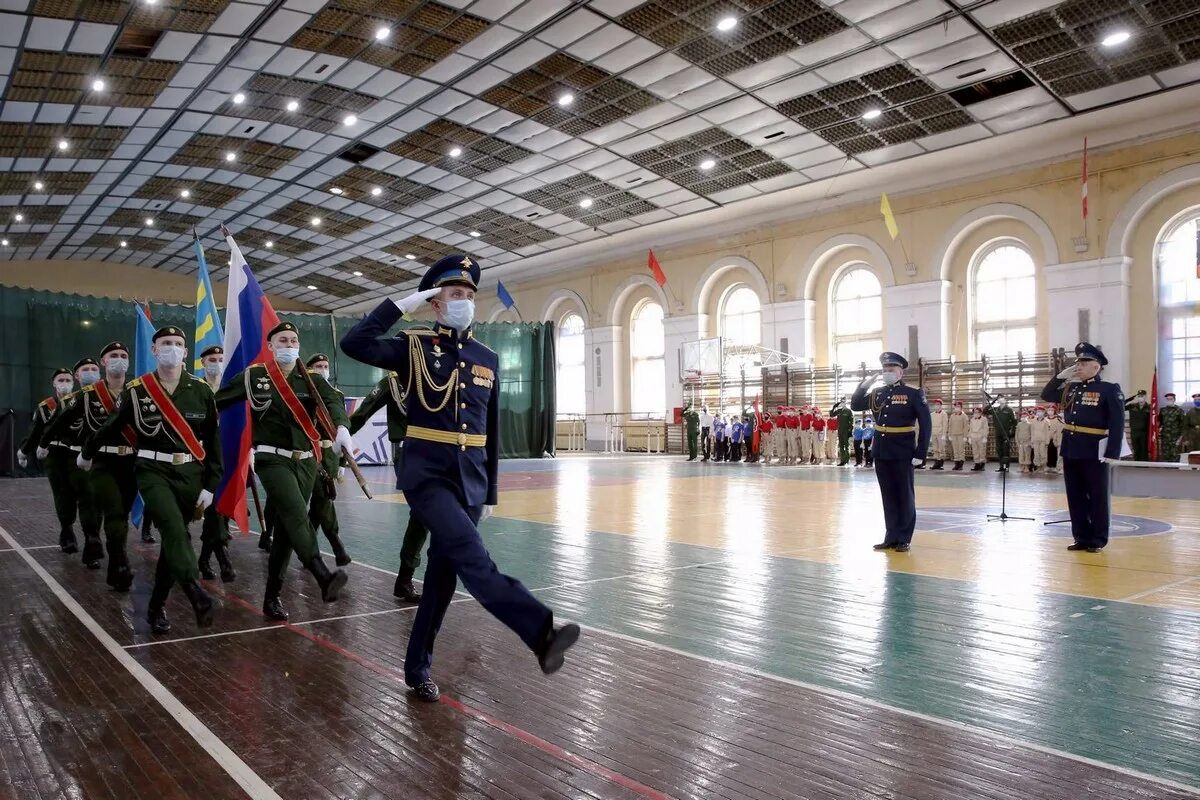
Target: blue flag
pixel 505 297
pixel 208 322
pixel 143 362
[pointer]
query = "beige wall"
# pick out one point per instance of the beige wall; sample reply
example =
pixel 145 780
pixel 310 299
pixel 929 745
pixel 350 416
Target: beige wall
pixel 103 279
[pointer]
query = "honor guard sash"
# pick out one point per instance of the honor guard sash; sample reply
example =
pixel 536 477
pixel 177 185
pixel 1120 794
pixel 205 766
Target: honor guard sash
pixel 51 404
pixel 106 399
pixel 171 414
pixel 295 406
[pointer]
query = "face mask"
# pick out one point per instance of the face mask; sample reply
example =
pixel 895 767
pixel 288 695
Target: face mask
pixel 287 355
pixel 1196 403
pixel 938 408
pixel 324 373
pixel 88 378
pixel 214 370
pixel 459 314
pixel 1141 400
pixel 890 378
pixel 1041 416
pixel 63 387
pixel 117 366
pixel 169 356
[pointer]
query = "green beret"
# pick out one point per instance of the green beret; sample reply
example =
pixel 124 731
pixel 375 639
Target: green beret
pixel 281 327
pixel 212 350
pixel 108 348
pixel 314 358
pixel 169 330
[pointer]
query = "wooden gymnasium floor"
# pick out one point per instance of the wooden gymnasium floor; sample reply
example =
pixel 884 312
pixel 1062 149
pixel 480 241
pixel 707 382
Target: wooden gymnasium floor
pixel 741 641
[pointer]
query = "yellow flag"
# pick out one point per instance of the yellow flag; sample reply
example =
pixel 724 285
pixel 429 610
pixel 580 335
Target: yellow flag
pixel 889 219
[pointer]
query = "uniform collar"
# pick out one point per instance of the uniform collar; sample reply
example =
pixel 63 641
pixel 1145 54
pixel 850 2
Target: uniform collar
pixel 1092 379
pixel 443 330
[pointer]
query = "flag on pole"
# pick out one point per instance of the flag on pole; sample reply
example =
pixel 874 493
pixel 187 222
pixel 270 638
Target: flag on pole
pixel 143 362
pixel 505 297
pixel 889 219
pixel 1083 186
pixel 208 321
pixel 248 317
pixel 656 270
pixel 1154 415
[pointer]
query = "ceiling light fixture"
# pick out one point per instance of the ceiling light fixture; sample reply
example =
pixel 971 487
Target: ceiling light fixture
pixel 293 105
pixel 239 98
pixel 19 217
pixel 872 113
pixel 98 85
pixel 63 144
pixel 476 234
pixel 149 222
pixel 185 194
pixel 727 23
pixel 707 164
pixel 231 156
pixel 565 99
pixel 455 152
pixel 383 33
pixel 4 242
pixel 38 185
pixel 356 274
pixel 376 191
pixel 269 244
pixel 124 243
pixel 585 202
pixel 349 120
pixel 316 221
pixel 335 190
pixel 1115 38
pixel 312 288
pixel 411 257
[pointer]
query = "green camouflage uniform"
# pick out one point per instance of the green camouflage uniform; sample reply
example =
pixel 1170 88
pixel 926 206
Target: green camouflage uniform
pixel 1170 430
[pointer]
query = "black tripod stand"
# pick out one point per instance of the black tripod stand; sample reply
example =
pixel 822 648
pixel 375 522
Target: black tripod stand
pixel 1001 433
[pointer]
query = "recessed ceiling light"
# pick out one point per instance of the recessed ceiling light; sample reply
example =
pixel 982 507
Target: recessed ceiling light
pixel 707 164
pixel 293 105
pixel 124 243
pixel 1115 38
pixel 269 244
pixel 727 23
pixel 349 120
pixel 312 288
pixel 455 152
pixel 335 190
pixel 566 98
pixel 239 98
pixel 383 33
pixel 376 191
pixel 356 274
pixel 4 242
pixel 19 217
pixel 315 221
pixel 872 113
pixel 231 156
pixel 411 257
pixel 185 193
pixel 149 222
pixel 63 144
pixel 39 185
pixel 585 202
pixel 98 85
pixel 476 234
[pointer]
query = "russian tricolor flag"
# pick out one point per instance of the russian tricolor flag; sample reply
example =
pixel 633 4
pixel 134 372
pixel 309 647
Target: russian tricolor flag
pixel 248 317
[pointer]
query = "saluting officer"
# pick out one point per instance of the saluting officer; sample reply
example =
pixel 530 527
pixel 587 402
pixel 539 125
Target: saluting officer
pixel 31 448
pixel 214 533
pixel 287 449
pixel 322 513
pixel 63 448
pixel 388 394
pixel 1093 430
pixel 900 411
pixel 451 460
pixel 112 483
pixel 174 421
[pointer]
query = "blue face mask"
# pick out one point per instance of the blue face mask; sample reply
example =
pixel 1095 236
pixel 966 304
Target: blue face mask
pixel 88 378
pixel 459 314
pixel 287 355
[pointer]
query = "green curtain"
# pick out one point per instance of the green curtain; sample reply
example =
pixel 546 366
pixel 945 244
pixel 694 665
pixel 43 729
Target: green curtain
pixel 527 365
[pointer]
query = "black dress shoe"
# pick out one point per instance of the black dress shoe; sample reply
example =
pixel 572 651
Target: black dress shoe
pixel 330 582
pixel 903 547
pixel 426 691
pixel 405 591
pixel 958 465
pixel 272 608
pixel 558 641
pixel 122 579
pixel 1076 546
pixel 157 618
pixel 264 541
pixel 883 546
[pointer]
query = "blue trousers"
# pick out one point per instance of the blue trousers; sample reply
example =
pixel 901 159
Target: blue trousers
pixel 456 551
pixel 895 476
pixel 1086 480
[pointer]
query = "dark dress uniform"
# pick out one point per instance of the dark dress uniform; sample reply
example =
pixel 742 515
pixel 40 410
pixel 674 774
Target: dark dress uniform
pixel 902 430
pixel 387 394
pixel 1139 426
pixel 322 513
pixel 451 460
pixel 111 480
pixel 1093 413
pixel 76 494
pixel 169 478
pixel 60 485
pixel 286 465
pixel 1006 429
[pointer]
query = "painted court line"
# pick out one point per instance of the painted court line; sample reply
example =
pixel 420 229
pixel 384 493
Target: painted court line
pixel 35 547
pixel 1138 596
pixel 238 770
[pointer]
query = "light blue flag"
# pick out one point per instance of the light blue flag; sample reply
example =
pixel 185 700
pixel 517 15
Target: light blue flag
pixel 143 362
pixel 208 322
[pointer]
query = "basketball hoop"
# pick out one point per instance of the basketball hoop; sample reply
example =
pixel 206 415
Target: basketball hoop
pixel 692 376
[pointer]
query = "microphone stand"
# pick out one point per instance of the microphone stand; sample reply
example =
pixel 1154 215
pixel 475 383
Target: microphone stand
pixel 1003 516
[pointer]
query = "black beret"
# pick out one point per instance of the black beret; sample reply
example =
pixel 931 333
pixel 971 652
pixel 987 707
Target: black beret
pixel 83 362
pixel 169 330
pixel 281 327
pixel 61 371
pixel 314 358
pixel 108 348
pixel 212 350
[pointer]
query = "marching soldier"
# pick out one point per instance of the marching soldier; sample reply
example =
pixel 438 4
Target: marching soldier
pixel 1138 408
pixel 1093 431
pixel 321 512
pixel 691 420
pixel 174 422
pixel 214 533
pixel 1170 429
pixel 978 434
pixel 387 393
pixel 1006 423
pixel 111 483
pixel 451 460
pixel 1039 436
pixel 902 431
pixel 284 398
pixel 939 436
pixel 845 422
pixel 957 430
pixel 31 448
pixel 1191 425
pixel 63 448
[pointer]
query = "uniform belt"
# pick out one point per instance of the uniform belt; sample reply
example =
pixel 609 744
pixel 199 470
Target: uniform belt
pixel 895 428
pixel 294 455
pixel 168 458
pixel 1085 429
pixel 66 446
pixel 447 437
pixel 118 450
pixel 326 444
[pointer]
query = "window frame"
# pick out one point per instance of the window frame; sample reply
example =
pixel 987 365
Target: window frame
pixel 837 339
pixel 736 357
pixel 1009 323
pixel 560 365
pixel 1168 314
pixel 635 359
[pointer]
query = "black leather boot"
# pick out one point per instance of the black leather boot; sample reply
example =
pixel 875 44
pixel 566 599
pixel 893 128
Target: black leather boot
pixel 228 574
pixel 204 564
pixel 120 576
pixel 202 603
pixel 340 556
pixel 938 464
pixel 330 582
pixel 264 541
pixel 404 589
pixel 93 550
pixel 958 465
pixel 272 608
pixel 978 467
pixel 155 614
pixel 557 641
pixel 66 540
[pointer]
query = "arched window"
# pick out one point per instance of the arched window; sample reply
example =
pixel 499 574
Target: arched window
pixel 569 381
pixel 857 318
pixel 1179 307
pixel 648 373
pixel 741 329
pixel 1004 293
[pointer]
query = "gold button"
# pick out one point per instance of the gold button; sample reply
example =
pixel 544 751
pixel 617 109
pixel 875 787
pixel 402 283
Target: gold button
pixel 464 426
pixel 462 386
pixel 462 405
pixel 460 345
pixel 462 364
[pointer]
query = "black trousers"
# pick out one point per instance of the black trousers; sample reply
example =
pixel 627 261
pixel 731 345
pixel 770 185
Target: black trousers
pixel 1086 480
pixel 895 477
pixel 858 454
pixel 704 446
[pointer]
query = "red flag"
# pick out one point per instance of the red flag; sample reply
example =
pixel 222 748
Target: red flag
pixel 1083 191
pixel 656 270
pixel 146 309
pixel 1154 416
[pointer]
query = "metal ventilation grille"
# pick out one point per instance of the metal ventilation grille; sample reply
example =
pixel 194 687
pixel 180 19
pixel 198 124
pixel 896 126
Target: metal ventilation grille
pixel 253 158
pixel 480 153
pixel 195 16
pixel 422 33
pixel 201 193
pixel 395 194
pixel 736 162
pixel 501 230
pixel 163 220
pixel 322 107
pixel 52 182
pixel 44 77
pixel 332 223
pixel 425 251
pixel 378 271
pixel 599 97
pixel 249 239
pixel 39 140
pixel 31 215
pixel 911 106
pixel 331 286
pixel 765 29
pixel 608 203
pixel 1061 45
pixel 111 241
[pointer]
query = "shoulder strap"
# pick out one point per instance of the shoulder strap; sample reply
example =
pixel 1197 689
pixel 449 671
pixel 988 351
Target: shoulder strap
pixel 294 405
pixel 171 414
pixel 323 418
pixel 106 399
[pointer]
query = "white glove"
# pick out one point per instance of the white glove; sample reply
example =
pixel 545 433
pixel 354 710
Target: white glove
pixel 409 304
pixel 22 460
pixel 918 462
pixel 1068 374
pixel 84 464
pixel 487 512
pixel 42 453
pixel 343 441
pixel 341 474
pixel 204 500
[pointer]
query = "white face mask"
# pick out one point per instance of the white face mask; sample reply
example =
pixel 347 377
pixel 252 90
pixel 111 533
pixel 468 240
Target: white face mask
pixel 324 373
pixel 891 378
pixel 459 314
pixel 287 355
pixel 1041 416
pixel 170 355
pixel 63 387
pixel 117 367
pixel 214 370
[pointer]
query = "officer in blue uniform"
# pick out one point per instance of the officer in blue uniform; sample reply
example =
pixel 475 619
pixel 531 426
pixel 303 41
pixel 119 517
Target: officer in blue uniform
pixel 451 454
pixel 1093 430
pixel 900 412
